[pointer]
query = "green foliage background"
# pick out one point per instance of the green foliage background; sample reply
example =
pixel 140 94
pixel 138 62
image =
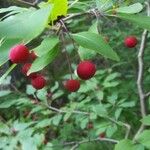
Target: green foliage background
pixel 111 96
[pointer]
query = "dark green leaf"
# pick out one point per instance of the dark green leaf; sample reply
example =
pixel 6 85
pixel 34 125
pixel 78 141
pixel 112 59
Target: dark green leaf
pixel 141 21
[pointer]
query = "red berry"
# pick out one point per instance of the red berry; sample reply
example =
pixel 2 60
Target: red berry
pixel 19 54
pixel 38 82
pixel 102 135
pixel 130 41
pixel 32 56
pixel 26 68
pixel 86 70
pixel 90 125
pixel 72 85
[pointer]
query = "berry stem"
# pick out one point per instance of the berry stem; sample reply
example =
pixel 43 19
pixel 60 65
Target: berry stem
pixel 67 31
pixel 67 56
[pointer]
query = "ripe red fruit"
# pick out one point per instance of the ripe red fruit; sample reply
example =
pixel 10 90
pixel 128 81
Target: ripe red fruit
pixel 130 41
pixel 19 54
pixel 72 85
pixel 38 82
pixel 26 68
pixel 32 56
pixel 86 70
pixel 102 135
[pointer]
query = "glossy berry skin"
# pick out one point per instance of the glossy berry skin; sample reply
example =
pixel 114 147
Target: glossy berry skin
pixel 26 68
pixel 19 54
pixel 38 82
pixel 86 70
pixel 72 85
pixel 102 135
pixel 32 56
pixel 130 41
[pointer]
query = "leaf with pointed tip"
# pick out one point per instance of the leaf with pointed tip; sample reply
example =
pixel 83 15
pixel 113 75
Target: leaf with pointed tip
pixel 131 9
pixel 44 60
pixel 95 42
pixel 6 73
pixel 141 21
pixel 46 45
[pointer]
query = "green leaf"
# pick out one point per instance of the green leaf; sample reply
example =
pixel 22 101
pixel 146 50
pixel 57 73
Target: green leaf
pixel 144 137
pixel 95 42
pixel 146 120
pixel 26 25
pixel 46 45
pixel 5 47
pixel 4 129
pixel 104 5
pixel 20 126
pixel 12 8
pixel 125 144
pixel 28 143
pixel 111 130
pixel 100 110
pixel 128 104
pixel 44 60
pixel 44 123
pixel 60 8
pixel 56 119
pixel 84 53
pixel 67 116
pixel 6 73
pixel 141 21
pixel 132 9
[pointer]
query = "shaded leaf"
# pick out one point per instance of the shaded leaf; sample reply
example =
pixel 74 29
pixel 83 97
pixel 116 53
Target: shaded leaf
pixel 141 21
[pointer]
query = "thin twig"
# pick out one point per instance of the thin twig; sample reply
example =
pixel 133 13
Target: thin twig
pixel 94 140
pixel 28 3
pixel 126 125
pixel 140 75
pixel 66 29
pixel 66 53
pixel 147 95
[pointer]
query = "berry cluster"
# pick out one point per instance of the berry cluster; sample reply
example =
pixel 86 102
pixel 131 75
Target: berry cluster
pixel 20 54
pixel 85 70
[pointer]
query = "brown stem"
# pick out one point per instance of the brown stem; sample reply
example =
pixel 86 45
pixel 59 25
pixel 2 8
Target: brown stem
pixel 140 75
